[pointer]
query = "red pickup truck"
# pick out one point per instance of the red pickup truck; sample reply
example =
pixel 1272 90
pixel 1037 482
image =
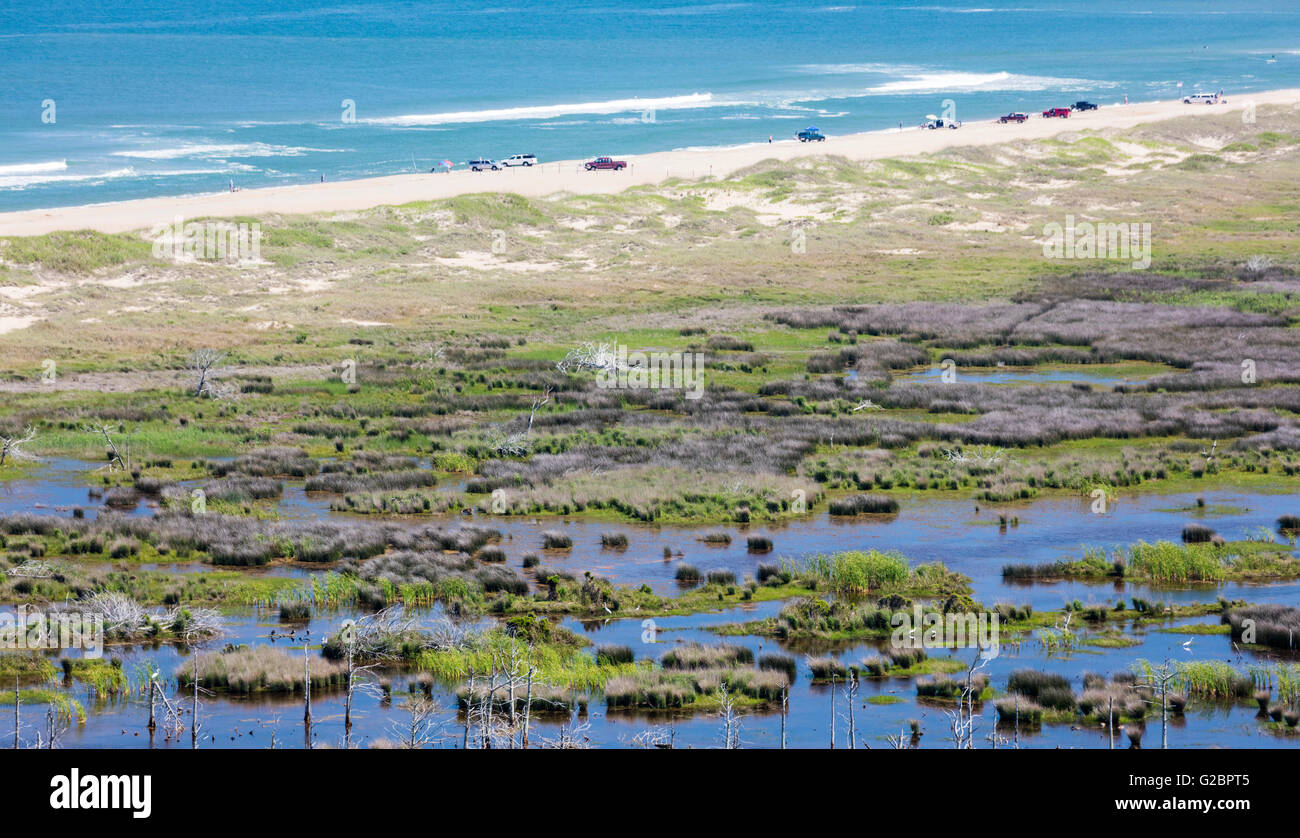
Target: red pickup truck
pixel 605 163
pixel 1051 112
pixel 1013 117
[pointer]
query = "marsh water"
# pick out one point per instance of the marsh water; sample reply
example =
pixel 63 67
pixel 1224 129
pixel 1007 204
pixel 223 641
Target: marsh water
pixel 966 536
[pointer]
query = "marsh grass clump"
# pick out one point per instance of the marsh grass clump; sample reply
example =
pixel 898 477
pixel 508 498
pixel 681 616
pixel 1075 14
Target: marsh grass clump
pixel 780 663
pixel 611 655
pixel 260 669
pixel 862 505
pixel 854 571
pixel 770 574
pixel 1165 561
pixel 874 666
pixel 122 497
pixel 687 574
pixel 268 462
pixel 824 668
pixel 25 667
pixel 667 689
pixel 1013 614
pixel 1289 525
pixel 716 538
pixel 813 617
pixel 540 700
pixel 1263 698
pixel 946 688
pixel 1208 679
pixel 490 553
pixel 613 540
pixel 758 544
pixel 241 489
pixel 296 610
pixel 720 577
pixel 421 577
pixel 906 657
pixel 1018 711
pixel 1197 534
pixel 383 481
pixel 1048 689
pixel 1275 626
pixel 703 656
pixel 556 540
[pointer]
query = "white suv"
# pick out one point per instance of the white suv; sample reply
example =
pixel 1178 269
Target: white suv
pixel 1204 99
pixel 520 160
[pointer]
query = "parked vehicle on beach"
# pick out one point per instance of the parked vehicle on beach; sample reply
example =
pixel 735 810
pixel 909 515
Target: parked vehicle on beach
pixel 939 123
pixel 1204 99
pixel 519 160
pixel 604 163
pixel 1013 117
pixel 810 135
pixel 481 165
pixel 1084 106
pixel 1056 112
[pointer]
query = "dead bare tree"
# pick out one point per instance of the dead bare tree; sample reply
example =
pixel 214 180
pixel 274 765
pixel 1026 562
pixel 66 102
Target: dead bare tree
pixel 570 737
pixel 204 366
pixel 12 446
pixel 851 697
pixel 306 696
pixel 422 726
pixel 785 710
pixel 173 721
pixel 1158 680
pixel 358 679
pixel 962 720
pixel 590 357
pixel 56 725
pixel 115 459
pixel 730 719
pixel 660 738
pixel 833 722
pixel 516 444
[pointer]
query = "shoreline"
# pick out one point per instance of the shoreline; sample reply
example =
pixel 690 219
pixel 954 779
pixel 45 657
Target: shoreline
pixel 567 176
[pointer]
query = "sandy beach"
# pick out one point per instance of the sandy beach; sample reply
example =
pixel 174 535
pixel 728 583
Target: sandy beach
pixel 568 175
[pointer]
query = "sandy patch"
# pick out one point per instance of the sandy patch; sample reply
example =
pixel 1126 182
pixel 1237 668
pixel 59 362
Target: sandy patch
pixel 22 292
pixel 14 323
pixel 482 261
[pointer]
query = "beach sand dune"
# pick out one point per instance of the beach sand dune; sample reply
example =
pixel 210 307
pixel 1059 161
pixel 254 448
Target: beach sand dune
pixel 568 176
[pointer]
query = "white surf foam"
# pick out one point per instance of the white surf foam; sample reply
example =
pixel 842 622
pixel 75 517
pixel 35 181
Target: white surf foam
pixel 663 103
pixel 218 150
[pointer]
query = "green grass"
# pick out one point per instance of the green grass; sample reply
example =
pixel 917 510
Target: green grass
pixel 78 252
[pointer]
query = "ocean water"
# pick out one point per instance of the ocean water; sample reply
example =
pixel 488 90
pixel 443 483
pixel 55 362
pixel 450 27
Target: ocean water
pixel 106 101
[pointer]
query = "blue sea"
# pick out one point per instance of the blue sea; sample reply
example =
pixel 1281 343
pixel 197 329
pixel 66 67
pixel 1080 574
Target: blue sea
pixel 106 101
